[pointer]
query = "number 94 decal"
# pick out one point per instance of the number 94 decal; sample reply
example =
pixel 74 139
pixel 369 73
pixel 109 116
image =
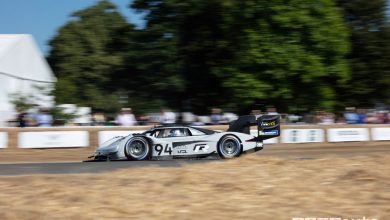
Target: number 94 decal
pixel 160 149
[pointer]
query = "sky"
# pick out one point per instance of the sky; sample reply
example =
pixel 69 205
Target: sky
pixel 42 18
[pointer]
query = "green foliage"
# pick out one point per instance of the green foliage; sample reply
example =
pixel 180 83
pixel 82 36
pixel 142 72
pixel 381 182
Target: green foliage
pixel 196 54
pixel 245 51
pixel 300 52
pixel 26 102
pixel 60 117
pixel 370 54
pixel 86 54
pixel 22 103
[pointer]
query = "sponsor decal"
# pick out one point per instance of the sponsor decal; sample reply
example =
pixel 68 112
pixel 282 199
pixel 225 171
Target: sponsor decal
pixel 201 147
pixel 302 135
pixel 271 132
pixel 270 123
pixel 348 134
pixel 182 151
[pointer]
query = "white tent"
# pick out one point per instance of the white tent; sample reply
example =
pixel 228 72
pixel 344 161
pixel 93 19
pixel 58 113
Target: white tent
pixel 23 70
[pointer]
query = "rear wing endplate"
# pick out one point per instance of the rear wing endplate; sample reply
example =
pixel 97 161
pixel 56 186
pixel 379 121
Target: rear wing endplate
pixel 268 126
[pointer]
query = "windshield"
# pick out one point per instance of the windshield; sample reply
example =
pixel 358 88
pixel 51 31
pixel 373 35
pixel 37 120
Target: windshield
pixel 152 133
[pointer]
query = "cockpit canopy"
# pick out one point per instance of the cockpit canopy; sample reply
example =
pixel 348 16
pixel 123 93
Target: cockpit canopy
pixel 177 131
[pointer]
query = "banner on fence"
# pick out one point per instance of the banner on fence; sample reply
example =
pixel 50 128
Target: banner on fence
pixel 348 134
pixel 53 139
pixel 3 139
pixel 380 134
pixel 302 135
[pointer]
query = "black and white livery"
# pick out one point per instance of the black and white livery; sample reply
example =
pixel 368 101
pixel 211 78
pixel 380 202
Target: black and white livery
pixel 176 141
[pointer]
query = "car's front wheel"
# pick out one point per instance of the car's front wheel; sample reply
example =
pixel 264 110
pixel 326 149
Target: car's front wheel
pixel 137 148
pixel 229 147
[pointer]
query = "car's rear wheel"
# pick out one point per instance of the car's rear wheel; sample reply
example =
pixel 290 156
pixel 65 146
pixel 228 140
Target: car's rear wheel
pixel 229 147
pixel 137 148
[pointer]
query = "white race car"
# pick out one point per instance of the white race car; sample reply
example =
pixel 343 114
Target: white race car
pixel 176 141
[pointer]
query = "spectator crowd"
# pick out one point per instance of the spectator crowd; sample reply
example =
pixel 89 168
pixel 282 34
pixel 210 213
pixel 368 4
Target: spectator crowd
pixel 126 117
pixel 353 115
pixel 42 118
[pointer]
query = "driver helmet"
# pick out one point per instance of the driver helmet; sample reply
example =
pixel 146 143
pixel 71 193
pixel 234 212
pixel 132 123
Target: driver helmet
pixel 175 132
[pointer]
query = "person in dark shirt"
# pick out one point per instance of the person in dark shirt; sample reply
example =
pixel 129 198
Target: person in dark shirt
pixel 22 117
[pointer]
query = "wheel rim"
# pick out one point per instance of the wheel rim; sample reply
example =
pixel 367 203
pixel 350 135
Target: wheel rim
pixel 230 147
pixel 137 149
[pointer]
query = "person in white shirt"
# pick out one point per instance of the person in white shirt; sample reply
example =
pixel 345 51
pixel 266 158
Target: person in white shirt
pixel 271 110
pixel 44 118
pixel 168 117
pixel 126 118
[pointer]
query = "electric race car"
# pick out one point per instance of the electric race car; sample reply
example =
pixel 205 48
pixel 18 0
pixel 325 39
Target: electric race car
pixel 175 141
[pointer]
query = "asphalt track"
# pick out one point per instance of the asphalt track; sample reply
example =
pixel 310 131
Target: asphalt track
pixel 290 153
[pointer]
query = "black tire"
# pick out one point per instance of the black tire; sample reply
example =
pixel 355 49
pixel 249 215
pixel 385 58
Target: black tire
pixel 137 148
pixel 229 146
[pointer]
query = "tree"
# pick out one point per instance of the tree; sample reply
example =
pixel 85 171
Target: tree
pixel 23 103
pixel 87 56
pixel 370 54
pixel 240 52
pixel 197 54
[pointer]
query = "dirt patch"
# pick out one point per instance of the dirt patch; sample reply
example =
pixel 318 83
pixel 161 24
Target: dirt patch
pixel 250 187
pixel 12 155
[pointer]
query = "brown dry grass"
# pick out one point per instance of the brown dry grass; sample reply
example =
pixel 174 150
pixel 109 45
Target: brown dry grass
pixel 250 187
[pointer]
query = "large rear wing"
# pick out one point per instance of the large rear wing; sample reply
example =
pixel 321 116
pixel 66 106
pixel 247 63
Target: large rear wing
pixel 268 126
